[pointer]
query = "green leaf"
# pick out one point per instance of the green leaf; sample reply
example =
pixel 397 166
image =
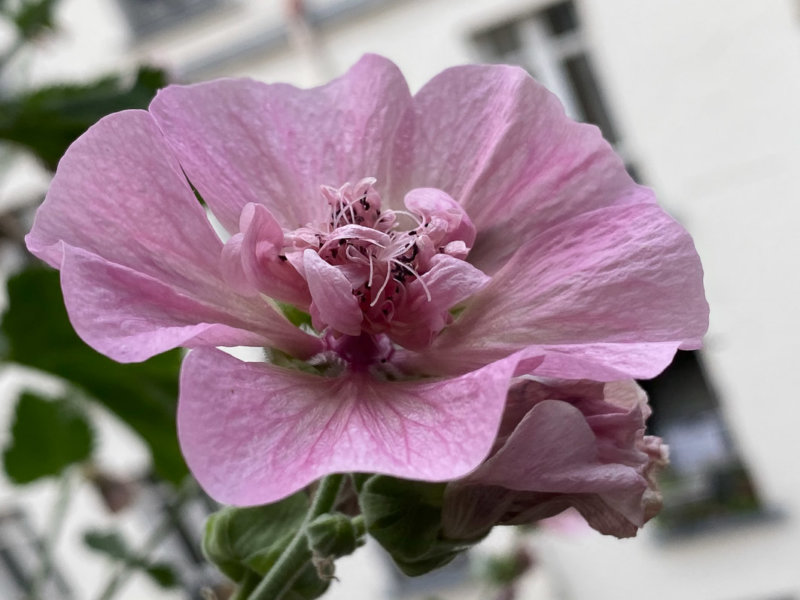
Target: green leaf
pixel 405 517
pixel 144 395
pixel 46 121
pixel 33 17
pixel 239 540
pixel 163 574
pixel 109 543
pixel 46 437
pixel 114 546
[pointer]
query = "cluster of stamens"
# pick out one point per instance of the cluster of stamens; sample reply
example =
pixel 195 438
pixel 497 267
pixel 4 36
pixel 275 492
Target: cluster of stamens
pixel 371 248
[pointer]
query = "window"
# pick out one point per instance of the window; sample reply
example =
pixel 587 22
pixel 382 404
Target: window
pixel 550 45
pixel 149 16
pixel 706 483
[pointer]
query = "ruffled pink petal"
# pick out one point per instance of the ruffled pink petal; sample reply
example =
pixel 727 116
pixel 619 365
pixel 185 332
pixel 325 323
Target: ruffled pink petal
pixel 120 214
pixel 420 318
pixel 332 295
pixel 500 144
pixel 243 141
pixel 440 211
pixel 261 264
pixel 576 444
pixel 626 275
pixel 130 316
pixel 553 449
pixel 254 433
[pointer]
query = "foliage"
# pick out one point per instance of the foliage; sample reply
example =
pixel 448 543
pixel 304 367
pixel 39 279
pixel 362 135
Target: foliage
pixel 114 546
pixel 394 507
pixel 248 543
pixel 46 437
pixel 32 17
pixel 47 120
pixel 38 334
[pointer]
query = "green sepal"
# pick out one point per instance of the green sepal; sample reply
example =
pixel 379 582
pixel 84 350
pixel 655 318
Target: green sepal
pixel 239 540
pixel 334 535
pixel 296 317
pixel 405 517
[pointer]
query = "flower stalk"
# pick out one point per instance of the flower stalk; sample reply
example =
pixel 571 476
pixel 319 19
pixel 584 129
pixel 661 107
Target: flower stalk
pixel 280 578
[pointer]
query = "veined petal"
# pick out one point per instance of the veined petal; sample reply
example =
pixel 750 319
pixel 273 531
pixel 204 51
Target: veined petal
pixel 619 275
pixel 262 264
pixel 119 193
pixel 564 444
pixel 119 215
pixel 332 295
pixel 448 282
pixel 243 141
pixel 253 433
pixel 130 316
pixel 553 449
pixel 499 143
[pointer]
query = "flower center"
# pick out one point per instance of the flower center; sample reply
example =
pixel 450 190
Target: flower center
pixel 389 262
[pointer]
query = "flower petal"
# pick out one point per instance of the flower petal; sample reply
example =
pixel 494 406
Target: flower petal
pixel 253 433
pixel 261 264
pixel 130 316
pixel 420 318
pixel 120 204
pixel 243 141
pixel 626 275
pixel 564 444
pixel 500 144
pixel 332 295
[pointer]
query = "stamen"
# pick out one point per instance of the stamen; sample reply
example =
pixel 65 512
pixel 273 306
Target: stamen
pixel 371 271
pixel 383 287
pixel 413 217
pixel 415 274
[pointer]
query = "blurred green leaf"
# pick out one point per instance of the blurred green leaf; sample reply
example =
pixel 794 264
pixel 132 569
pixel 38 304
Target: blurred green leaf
pixel 405 517
pixel 33 17
pixel 46 437
pixel 114 546
pixel 109 543
pixel 163 574
pixel 144 395
pixel 47 120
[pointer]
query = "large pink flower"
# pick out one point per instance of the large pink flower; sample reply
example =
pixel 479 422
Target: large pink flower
pixel 441 243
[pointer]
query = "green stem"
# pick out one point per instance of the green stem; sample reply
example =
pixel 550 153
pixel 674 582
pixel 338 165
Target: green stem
pixel 283 573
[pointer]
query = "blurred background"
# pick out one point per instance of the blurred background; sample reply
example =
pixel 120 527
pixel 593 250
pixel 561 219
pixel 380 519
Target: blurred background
pixel 702 99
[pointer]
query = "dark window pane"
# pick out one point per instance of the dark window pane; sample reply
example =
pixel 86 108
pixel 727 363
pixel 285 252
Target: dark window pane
pixel 148 16
pixel 706 483
pixel 561 18
pixel 587 92
pixel 502 40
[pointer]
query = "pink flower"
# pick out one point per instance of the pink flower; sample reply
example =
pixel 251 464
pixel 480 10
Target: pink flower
pixel 442 243
pixel 562 445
